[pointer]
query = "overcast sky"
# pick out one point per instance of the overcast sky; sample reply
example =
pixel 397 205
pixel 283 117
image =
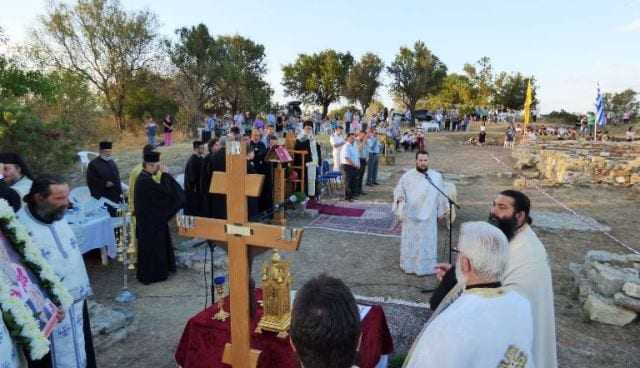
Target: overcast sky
pixel 568 45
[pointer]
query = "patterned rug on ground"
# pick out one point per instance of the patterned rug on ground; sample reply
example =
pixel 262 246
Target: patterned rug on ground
pixel 377 219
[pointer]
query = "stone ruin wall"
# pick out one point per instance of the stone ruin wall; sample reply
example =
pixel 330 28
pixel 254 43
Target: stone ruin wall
pixel 571 162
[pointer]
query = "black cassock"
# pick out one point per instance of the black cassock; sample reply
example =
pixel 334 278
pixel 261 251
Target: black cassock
pixel 193 186
pixel 155 205
pixel 216 204
pixel 99 172
pixel 304 144
pixel 260 166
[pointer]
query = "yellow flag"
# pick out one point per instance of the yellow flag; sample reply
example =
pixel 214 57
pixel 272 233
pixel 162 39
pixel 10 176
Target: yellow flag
pixel 527 105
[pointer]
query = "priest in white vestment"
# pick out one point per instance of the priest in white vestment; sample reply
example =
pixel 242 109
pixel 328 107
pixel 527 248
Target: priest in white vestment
pixel 44 218
pixel 488 325
pixel 419 206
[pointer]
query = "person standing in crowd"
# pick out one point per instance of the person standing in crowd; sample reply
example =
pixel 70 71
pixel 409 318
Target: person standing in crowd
pixel 483 134
pixel 348 116
pixel 103 177
pixel 487 325
pixel 168 123
pixel 373 146
pixel 350 165
pixel 215 205
pixel 363 155
pixel 156 203
pixel 133 178
pixel 209 127
pixel 306 141
pixel 43 216
pixel 193 181
pixel 419 205
pixel 337 142
pixel 16 173
pixel 259 150
pixel 269 138
pixel 151 129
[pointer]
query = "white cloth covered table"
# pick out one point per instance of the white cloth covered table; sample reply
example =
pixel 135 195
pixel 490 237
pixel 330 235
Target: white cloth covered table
pixel 93 229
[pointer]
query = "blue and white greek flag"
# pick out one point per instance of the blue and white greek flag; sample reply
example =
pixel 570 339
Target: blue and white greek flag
pixel 601 117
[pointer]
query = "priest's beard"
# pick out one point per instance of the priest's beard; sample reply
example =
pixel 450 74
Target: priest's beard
pixel 422 170
pixel 48 213
pixel 509 226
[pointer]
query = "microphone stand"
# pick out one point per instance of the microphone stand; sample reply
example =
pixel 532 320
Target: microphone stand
pixel 452 203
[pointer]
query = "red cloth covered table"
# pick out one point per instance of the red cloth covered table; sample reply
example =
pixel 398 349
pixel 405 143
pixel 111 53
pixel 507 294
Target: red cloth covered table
pixel 203 340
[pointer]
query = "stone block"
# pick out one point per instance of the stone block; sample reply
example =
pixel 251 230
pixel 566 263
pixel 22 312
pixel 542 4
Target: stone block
pixel 627 302
pixel 531 174
pixel 604 311
pixel 520 183
pixel 631 289
pixel 609 280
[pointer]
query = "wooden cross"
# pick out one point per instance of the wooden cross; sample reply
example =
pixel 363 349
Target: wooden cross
pixel 239 234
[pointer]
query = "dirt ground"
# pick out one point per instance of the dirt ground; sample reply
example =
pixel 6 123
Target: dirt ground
pixel 163 309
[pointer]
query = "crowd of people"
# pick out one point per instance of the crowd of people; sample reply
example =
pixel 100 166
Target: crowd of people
pixel 501 273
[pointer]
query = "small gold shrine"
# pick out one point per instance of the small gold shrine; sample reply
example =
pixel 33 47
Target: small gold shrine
pixel 276 291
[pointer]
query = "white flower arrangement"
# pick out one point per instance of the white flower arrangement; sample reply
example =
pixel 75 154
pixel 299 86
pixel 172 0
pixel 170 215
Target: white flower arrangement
pixel 27 327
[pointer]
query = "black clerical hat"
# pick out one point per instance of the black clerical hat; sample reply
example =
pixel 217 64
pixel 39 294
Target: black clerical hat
pixel 151 157
pixel 15 159
pixel 106 145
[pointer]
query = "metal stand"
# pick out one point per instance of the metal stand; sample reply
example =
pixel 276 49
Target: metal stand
pixel 452 203
pixel 125 296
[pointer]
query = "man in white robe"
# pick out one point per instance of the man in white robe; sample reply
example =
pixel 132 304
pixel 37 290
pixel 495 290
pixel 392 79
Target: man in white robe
pixel 487 326
pixel 71 345
pixel 337 140
pixel 527 272
pixel 419 205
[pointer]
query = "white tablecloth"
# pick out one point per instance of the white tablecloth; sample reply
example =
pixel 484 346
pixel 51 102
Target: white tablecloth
pixel 93 230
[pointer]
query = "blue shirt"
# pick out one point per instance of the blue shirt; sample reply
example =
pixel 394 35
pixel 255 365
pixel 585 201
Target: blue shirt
pixel 373 145
pixel 350 151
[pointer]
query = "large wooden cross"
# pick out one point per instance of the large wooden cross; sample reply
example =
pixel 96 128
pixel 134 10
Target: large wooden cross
pixel 239 234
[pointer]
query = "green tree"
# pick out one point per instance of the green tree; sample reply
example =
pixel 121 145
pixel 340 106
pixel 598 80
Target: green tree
pixel 198 60
pixel 241 84
pixel 621 102
pixel 511 90
pixel 457 92
pixel 416 73
pixel 318 78
pixel 481 77
pixel 150 93
pixel 101 41
pixel 363 80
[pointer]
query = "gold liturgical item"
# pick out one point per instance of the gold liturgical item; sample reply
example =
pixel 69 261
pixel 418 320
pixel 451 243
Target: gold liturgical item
pixel 221 315
pixel 276 291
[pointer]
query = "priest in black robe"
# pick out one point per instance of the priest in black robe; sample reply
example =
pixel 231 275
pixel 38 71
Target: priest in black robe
pixel 215 205
pixel 306 141
pixel 193 186
pixel 155 204
pixel 259 165
pixel 103 177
